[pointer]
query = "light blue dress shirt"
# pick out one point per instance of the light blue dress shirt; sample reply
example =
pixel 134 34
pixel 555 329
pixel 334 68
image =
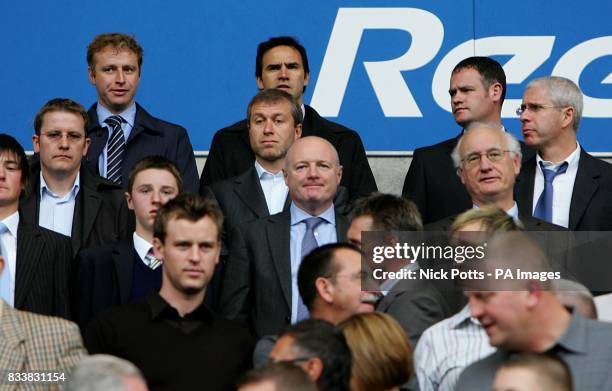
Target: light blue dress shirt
pixel 56 212
pixel 129 115
pixel 325 233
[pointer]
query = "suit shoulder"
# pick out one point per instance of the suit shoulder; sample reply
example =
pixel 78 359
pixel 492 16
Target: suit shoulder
pixel 438 148
pixel 35 324
pixel 232 130
pixel 158 123
pixel 335 127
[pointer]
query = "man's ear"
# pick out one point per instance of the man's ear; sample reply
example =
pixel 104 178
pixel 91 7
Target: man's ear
pixel 324 289
pixel 158 248
pixel 314 368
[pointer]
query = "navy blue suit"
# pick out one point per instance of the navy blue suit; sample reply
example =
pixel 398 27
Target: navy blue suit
pixel 149 136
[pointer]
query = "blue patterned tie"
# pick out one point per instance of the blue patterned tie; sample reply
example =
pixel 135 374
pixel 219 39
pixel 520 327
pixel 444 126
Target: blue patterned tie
pixel 309 243
pixel 151 261
pixel 116 147
pixel 5 278
pixel 543 209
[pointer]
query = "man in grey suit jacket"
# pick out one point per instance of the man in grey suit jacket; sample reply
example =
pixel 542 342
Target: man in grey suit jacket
pixel 260 282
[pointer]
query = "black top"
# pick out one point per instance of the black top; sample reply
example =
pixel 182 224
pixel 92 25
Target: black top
pixel 195 352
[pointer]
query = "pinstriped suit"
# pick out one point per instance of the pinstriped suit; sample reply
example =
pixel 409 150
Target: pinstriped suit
pixel 30 342
pixel 42 280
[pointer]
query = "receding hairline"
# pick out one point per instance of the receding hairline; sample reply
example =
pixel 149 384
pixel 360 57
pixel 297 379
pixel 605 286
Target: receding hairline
pixel 312 139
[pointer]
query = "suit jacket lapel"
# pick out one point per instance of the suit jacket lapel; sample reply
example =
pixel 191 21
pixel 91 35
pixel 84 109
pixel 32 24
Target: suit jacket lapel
pixel 248 189
pixel 123 259
pixel 523 188
pixel 98 136
pixel 12 337
pixel 342 226
pixel 85 211
pixel 278 229
pixel 29 250
pixel 586 184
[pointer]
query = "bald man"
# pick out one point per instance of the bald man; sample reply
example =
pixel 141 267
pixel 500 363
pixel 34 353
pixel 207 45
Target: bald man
pixel 260 283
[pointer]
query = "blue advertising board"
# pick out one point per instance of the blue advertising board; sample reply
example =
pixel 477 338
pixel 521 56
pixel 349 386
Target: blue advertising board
pixel 379 67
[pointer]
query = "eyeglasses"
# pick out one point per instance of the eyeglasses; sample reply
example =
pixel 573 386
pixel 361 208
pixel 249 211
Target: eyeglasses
pixel 353 276
pixel 73 137
pixel 534 108
pixel 494 156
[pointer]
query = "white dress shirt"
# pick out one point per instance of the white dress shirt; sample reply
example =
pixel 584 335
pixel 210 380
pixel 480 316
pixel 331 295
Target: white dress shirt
pixel 9 245
pixel 57 212
pixel 563 186
pixel 274 188
pixel 142 247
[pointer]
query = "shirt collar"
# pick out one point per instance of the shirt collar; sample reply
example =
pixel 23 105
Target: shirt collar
pixel 128 114
pixel 572 160
pixel 298 215
pixel 68 197
pixel 574 339
pixel 462 318
pixel 161 308
pixel 512 212
pixel 12 222
pixel 303 113
pixel 141 246
pixel 262 171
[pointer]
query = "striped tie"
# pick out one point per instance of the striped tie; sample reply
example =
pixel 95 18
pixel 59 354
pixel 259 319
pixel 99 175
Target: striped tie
pixel 151 261
pixel 116 147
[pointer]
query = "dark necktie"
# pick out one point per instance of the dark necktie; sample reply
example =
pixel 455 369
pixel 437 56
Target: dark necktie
pixel 116 147
pixel 309 243
pixel 543 209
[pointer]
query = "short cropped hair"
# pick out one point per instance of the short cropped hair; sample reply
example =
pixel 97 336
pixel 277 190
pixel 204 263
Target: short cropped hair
pixel 490 70
pixel 274 95
pixel 273 42
pixel 285 376
pixel 188 206
pixel 511 142
pixel 9 145
pixel 389 212
pixel 562 92
pixel 551 371
pixel 155 162
pixel 577 296
pixel 60 104
pixel 491 219
pixel 382 356
pixel 118 41
pixel 101 372
pixel 318 263
pixel 317 338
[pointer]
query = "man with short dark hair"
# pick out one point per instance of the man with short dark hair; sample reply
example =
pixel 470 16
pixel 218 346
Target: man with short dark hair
pixel 121 272
pixel 282 63
pixel 320 349
pixel 121 131
pixel 171 336
pixel 260 282
pixel 37 271
pixel 562 184
pixel 280 376
pixel 65 196
pixel 477 91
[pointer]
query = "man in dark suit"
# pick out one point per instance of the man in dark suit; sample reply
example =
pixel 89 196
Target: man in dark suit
pixel 488 161
pixel 121 131
pixel 37 261
pixel 64 195
pixel 282 63
pixel 121 272
pixel 477 90
pixel 577 190
pixel 260 282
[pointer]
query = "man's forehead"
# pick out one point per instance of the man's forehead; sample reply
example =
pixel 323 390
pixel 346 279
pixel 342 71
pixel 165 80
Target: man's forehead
pixel 277 107
pixel 536 93
pixel 155 176
pixel 286 50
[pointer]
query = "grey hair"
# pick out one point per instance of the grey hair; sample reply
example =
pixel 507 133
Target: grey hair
pixel 101 372
pixel 562 92
pixel 575 295
pixel 513 144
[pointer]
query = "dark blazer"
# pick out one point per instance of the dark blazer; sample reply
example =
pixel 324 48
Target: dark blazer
pixel 257 281
pixel 231 155
pixel 103 279
pixel 149 136
pixel 100 212
pixel 432 182
pixel 44 266
pixel 530 223
pixel 591 205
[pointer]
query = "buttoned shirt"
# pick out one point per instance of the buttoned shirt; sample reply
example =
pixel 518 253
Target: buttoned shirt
pixel 274 188
pixel 446 348
pixel 57 212
pixel 585 347
pixel 563 186
pixel 128 115
pixel 324 233
pixel 142 247
pixel 9 245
